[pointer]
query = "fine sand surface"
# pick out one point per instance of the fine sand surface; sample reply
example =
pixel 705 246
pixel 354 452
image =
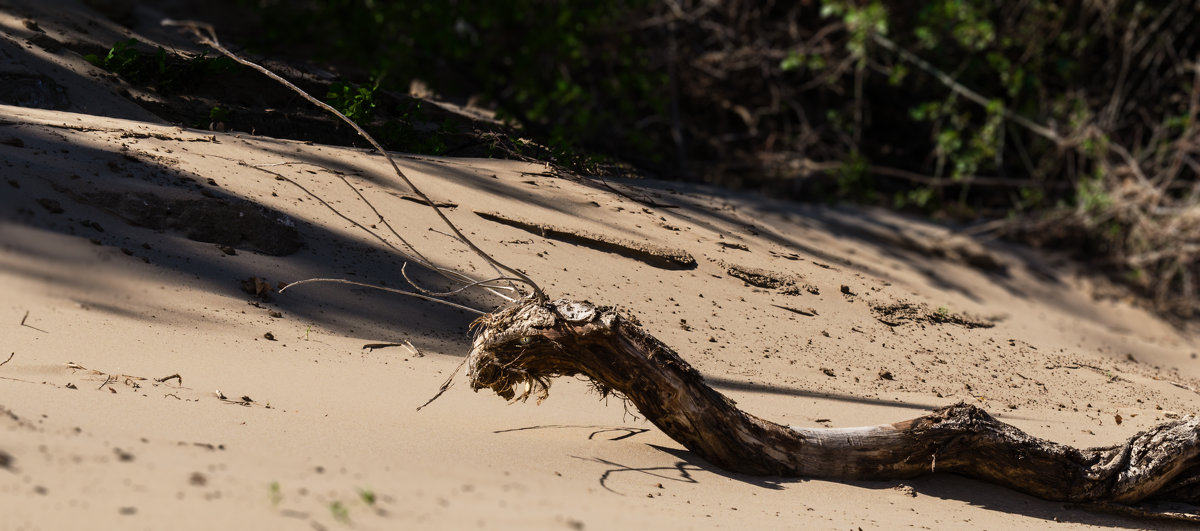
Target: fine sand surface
pixel 132 250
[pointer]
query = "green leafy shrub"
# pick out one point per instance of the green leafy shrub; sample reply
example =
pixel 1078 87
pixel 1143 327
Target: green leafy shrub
pixel 561 70
pixel 159 69
pixel 357 102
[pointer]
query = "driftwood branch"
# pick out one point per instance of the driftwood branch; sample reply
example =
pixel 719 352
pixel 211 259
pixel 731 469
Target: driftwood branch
pixel 519 349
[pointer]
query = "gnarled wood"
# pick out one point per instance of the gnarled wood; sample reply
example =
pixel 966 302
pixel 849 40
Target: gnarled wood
pixel 517 350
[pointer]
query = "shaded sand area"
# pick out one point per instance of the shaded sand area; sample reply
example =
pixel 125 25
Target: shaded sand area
pixel 155 379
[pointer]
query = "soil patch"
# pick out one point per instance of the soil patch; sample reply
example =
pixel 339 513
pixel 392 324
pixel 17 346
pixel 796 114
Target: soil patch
pixel 787 284
pixel 900 313
pixel 662 257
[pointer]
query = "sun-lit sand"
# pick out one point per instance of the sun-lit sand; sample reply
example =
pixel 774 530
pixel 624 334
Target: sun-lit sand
pixel 279 417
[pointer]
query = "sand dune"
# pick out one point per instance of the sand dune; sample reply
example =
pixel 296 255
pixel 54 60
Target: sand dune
pixel 132 250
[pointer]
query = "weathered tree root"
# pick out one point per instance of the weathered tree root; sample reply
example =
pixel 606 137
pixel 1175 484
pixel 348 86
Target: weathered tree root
pixel 517 350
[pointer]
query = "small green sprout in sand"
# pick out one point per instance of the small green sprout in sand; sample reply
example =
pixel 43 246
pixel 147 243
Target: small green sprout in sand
pixel 276 493
pixel 340 512
pixel 367 496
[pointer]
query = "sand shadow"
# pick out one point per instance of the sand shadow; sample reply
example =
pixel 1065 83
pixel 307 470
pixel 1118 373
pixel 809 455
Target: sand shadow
pixel 624 432
pixel 939 485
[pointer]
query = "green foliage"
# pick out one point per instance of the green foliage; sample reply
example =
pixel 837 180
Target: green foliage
pixel 122 58
pixel 218 114
pixel 556 68
pixel 853 180
pixel 920 198
pixel 158 69
pixel 1030 198
pixel 357 102
pixel 276 493
pixel 413 130
pixel 339 511
pixel 861 22
pixel 969 23
pixel 793 61
pixel 367 496
pixel 797 60
pixel 1091 195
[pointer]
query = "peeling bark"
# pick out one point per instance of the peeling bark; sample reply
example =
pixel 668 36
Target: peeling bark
pixel 519 349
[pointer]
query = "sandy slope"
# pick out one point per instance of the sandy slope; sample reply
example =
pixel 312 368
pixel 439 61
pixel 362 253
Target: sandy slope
pixel 94 309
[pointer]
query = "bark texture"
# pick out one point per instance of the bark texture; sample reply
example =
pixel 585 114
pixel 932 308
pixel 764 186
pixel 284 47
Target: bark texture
pixel 519 349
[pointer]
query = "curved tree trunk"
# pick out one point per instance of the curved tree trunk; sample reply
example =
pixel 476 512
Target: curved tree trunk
pixel 518 349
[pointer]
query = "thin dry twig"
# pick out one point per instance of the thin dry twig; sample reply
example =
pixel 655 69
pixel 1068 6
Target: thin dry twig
pixel 645 199
pixel 31 326
pixel 175 376
pixel 416 255
pixel 208 36
pixel 315 197
pixel 445 385
pixel 382 288
pixel 965 92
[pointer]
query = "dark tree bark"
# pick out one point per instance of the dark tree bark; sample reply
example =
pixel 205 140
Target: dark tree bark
pixel 517 350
